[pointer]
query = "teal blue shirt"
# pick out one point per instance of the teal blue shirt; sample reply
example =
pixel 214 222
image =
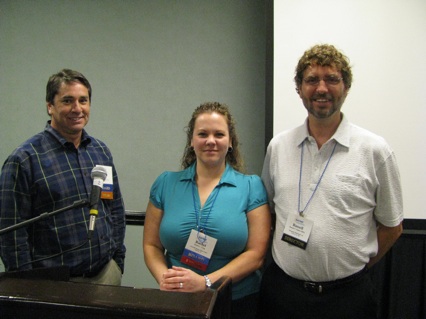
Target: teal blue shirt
pixel 223 217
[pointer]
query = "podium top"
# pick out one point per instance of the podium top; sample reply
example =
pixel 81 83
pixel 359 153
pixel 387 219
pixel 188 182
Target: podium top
pixel 47 296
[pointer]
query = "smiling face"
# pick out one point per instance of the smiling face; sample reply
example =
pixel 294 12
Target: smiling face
pixel 322 100
pixel 70 110
pixel 210 139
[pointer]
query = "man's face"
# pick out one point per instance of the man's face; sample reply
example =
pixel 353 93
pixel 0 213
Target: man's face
pixel 70 109
pixel 325 98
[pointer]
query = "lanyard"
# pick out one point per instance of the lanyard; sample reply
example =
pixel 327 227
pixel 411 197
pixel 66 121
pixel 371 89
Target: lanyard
pixel 319 181
pixel 202 229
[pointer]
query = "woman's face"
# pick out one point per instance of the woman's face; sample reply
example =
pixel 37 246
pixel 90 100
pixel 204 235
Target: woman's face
pixel 211 139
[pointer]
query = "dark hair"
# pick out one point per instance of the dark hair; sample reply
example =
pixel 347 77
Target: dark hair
pixel 65 76
pixel 233 157
pixel 324 55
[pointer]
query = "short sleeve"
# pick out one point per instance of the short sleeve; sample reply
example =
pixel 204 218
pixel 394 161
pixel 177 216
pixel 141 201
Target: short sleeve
pixel 389 207
pixel 258 195
pixel 156 193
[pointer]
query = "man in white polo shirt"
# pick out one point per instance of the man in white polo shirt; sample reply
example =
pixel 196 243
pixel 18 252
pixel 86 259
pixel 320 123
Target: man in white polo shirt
pixel 335 191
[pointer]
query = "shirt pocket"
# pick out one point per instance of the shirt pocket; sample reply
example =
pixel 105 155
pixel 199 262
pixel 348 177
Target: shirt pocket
pixel 353 194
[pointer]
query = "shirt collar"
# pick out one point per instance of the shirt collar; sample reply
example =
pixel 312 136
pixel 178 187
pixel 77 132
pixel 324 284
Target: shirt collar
pixel 85 138
pixel 302 133
pixel 341 136
pixel 228 176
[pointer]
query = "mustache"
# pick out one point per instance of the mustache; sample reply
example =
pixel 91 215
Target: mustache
pixel 322 96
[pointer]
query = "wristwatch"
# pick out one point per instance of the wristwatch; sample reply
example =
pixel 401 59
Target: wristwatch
pixel 208 282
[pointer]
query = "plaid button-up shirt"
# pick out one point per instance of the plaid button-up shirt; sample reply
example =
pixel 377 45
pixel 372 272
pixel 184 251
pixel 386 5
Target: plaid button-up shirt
pixel 47 173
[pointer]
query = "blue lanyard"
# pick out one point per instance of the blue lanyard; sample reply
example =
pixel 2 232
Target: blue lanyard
pixel 319 181
pixel 202 229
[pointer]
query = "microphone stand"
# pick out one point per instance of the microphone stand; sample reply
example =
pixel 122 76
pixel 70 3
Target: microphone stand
pixel 76 204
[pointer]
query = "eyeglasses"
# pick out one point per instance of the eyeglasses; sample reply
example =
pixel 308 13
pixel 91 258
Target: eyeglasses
pixel 329 80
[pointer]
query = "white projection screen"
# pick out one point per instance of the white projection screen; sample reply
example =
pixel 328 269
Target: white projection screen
pixel 385 41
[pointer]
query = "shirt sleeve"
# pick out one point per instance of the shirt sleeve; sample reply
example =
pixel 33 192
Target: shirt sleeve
pixel 389 204
pixel 258 195
pixel 119 220
pixel 156 192
pixel 15 207
pixel 267 179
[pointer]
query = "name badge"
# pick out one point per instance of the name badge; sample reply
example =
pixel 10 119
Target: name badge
pixel 297 231
pixel 108 187
pixel 198 250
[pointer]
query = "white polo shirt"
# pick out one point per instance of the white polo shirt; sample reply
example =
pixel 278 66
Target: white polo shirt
pixel 361 185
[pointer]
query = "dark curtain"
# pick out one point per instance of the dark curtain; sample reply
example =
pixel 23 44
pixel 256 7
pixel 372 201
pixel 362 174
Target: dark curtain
pixel 400 277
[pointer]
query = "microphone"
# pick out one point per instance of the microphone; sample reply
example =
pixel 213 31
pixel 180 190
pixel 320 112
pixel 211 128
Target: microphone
pixel 98 174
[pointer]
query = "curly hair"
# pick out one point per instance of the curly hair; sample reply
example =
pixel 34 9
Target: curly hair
pixel 233 157
pixel 324 55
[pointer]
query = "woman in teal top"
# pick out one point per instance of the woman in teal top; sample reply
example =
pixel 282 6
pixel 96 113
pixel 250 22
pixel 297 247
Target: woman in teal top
pixel 209 220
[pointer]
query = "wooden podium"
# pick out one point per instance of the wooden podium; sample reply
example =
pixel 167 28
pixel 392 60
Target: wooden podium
pixel 35 294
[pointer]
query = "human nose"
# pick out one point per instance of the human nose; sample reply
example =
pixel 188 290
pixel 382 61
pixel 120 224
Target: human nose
pixel 322 86
pixel 76 106
pixel 210 139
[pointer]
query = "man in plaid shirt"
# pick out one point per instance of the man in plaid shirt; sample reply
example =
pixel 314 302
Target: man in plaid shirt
pixel 52 170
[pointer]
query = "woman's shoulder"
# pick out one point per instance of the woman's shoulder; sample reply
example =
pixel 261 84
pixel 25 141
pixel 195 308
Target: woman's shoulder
pixel 250 178
pixel 167 175
pixel 172 176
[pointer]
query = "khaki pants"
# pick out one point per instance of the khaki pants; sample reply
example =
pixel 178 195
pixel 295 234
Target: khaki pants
pixel 109 275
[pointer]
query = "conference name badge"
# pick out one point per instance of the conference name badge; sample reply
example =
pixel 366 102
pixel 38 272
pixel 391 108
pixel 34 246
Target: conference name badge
pixel 297 231
pixel 108 187
pixel 198 250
